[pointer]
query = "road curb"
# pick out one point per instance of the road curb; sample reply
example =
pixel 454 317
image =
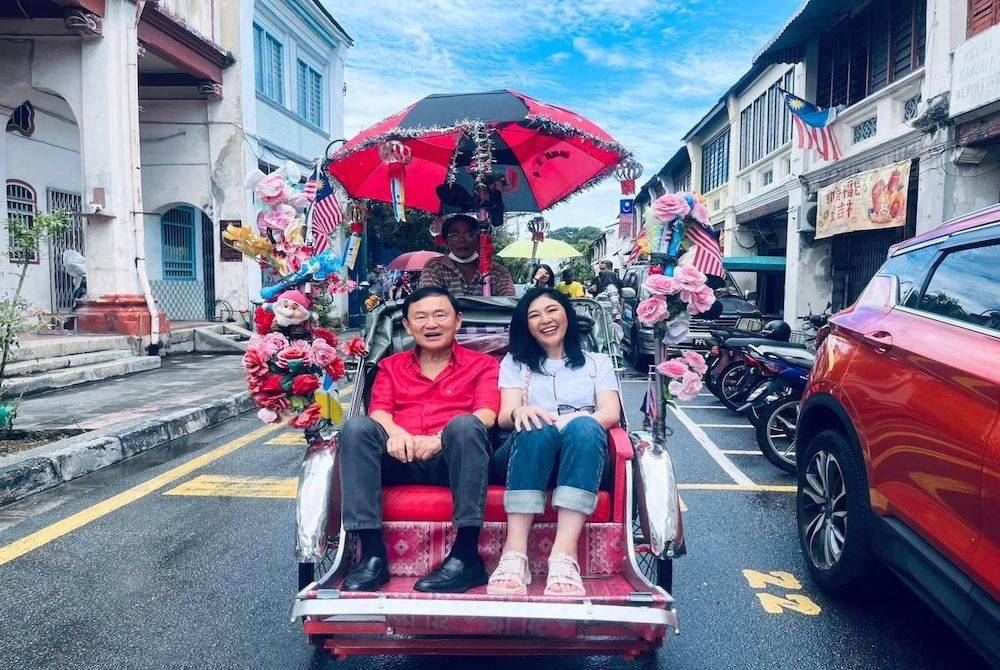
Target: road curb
pixel 50 465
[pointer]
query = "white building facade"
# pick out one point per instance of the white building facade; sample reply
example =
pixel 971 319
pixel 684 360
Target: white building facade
pixel 141 120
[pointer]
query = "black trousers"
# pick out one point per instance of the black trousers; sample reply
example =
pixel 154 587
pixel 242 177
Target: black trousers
pixel 365 466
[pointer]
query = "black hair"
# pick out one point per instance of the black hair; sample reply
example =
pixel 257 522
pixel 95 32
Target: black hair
pixel 452 220
pixel 552 275
pixel 427 292
pixel 567 276
pixel 524 348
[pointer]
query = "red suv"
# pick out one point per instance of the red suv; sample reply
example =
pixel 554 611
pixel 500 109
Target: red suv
pixel 899 437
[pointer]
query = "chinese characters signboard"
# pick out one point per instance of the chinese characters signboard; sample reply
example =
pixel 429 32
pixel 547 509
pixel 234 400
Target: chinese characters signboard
pixel 873 199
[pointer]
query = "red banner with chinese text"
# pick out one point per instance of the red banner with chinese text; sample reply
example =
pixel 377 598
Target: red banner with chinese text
pixel 873 199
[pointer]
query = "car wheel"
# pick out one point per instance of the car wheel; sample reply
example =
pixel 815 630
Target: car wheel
pixel 833 513
pixel 730 380
pixel 776 432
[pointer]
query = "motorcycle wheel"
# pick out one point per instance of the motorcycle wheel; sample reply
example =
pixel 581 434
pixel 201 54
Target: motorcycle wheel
pixel 776 432
pixel 730 380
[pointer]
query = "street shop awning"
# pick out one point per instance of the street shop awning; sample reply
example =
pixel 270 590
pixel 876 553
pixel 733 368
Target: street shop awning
pixel 754 263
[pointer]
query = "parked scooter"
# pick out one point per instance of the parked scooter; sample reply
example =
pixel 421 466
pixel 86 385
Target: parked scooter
pixel 773 405
pixel 731 376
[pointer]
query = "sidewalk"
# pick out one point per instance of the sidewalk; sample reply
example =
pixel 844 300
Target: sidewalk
pixel 122 417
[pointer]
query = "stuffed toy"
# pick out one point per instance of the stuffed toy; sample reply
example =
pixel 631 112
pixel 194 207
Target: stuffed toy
pixel 290 315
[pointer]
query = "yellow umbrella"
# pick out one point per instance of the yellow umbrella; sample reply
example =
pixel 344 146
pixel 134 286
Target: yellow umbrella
pixel 550 249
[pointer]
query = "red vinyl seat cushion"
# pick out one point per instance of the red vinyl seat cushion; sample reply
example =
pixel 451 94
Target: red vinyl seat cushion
pixel 433 503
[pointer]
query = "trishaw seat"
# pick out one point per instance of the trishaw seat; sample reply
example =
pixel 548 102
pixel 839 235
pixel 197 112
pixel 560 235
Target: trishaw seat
pixel 433 503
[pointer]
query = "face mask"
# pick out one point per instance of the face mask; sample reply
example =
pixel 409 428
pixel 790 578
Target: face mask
pixel 463 261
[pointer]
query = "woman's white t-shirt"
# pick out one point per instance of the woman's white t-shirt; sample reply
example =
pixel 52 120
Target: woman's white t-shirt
pixel 559 384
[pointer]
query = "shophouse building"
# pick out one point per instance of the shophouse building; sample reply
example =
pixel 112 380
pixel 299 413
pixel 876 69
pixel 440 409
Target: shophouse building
pixel 141 119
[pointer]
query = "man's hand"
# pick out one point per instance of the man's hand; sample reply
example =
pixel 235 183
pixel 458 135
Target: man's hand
pixel 400 446
pixel 426 447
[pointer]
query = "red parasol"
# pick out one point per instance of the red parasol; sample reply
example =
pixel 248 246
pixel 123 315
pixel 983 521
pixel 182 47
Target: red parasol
pixel 412 260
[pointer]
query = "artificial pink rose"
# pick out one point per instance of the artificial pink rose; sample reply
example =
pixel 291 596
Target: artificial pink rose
pixel 293 357
pixel 272 189
pixel 669 206
pixel 272 343
pixel 661 285
pixel 675 368
pixel 277 217
pixel 699 213
pixel 267 415
pixel 695 361
pixel 299 202
pixel 651 310
pixel 701 300
pixel 689 277
pixel 687 387
pixel 322 354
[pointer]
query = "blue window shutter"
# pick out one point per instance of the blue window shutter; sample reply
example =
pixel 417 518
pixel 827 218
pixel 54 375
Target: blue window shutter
pixel 177 230
pixel 258 58
pixel 303 90
pixel 317 97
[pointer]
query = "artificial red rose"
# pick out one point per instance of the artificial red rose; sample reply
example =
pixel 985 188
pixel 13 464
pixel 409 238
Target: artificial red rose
pixel 304 384
pixel 324 334
pixel 255 362
pixel 354 347
pixel 336 368
pixel 307 418
pixel 263 318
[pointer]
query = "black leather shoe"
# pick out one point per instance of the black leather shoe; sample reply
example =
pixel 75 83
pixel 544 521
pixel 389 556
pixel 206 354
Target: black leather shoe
pixel 368 575
pixel 454 576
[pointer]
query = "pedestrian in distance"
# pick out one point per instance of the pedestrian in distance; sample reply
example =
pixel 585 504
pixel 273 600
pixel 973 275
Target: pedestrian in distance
pixel 569 285
pixel 543 276
pixel 559 401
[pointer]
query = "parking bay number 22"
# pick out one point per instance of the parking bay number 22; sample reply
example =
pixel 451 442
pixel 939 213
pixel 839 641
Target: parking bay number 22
pixel 775 604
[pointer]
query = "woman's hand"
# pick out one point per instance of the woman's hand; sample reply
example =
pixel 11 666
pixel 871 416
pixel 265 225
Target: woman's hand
pixel 527 416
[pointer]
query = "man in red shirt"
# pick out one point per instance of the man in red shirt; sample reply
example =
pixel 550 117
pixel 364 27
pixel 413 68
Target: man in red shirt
pixel 429 413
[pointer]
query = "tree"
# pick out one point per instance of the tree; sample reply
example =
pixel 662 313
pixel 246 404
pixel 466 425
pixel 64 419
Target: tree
pixel 519 267
pixel 580 239
pixel 17 316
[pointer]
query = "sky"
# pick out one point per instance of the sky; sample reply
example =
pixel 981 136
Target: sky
pixel 644 70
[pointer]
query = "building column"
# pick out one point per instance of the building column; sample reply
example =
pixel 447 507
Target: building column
pixel 112 195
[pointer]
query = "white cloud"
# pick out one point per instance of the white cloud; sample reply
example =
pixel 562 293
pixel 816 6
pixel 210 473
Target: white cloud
pixel 654 67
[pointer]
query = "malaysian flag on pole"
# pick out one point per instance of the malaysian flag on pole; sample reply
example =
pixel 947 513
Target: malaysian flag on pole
pixel 325 215
pixel 626 217
pixel 708 251
pixel 812 126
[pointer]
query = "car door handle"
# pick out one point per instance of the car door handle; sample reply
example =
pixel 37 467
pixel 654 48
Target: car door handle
pixel 880 340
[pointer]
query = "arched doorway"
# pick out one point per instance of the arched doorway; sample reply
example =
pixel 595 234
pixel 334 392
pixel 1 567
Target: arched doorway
pixel 180 261
pixel 40 167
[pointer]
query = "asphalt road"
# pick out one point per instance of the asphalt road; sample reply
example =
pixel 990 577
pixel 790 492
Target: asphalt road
pixel 182 558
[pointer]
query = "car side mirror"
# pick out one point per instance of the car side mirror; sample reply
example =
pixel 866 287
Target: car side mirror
pixel 628 293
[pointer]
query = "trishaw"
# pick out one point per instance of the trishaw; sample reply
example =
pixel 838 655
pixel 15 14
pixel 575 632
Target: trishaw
pixel 487 153
pixel 626 550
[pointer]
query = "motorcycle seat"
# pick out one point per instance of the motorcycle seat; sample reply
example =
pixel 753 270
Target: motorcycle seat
pixel 792 355
pixel 744 342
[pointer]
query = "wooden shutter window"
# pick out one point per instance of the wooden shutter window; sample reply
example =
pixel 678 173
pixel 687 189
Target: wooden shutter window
pixel 983 14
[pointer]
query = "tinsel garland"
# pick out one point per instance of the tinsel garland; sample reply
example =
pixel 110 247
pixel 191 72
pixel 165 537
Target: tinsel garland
pixel 482 156
pixel 566 131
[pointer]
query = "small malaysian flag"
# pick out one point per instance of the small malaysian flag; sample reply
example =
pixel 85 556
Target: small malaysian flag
pixel 812 126
pixel 309 190
pixel 708 251
pixel 325 215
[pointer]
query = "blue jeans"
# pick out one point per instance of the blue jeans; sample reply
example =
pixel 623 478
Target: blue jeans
pixel 578 454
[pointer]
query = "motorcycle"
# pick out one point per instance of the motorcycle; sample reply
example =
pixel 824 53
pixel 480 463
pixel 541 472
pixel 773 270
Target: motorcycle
pixel 773 404
pixel 731 375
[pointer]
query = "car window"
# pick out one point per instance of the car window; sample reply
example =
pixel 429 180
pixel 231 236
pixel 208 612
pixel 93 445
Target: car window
pixel 965 286
pixel 908 268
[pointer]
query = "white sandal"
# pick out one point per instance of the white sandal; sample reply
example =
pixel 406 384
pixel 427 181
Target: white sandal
pixel 512 568
pixel 564 571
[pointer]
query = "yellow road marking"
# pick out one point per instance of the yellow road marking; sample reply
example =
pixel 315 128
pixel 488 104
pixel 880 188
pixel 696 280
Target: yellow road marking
pixel 292 439
pixel 69 524
pixel 773 488
pixel 796 602
pixel 238 487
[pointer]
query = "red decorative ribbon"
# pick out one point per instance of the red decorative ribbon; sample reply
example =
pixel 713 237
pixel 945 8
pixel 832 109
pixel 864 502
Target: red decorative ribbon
pixel 628 186
pixel 538 237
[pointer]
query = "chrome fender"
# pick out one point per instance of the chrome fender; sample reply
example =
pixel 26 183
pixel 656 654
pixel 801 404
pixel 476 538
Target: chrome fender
pixel 315 499
pixel 656 494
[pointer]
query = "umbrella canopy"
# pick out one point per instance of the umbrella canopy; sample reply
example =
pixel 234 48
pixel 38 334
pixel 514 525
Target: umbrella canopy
pixel 545 153
pixel 553 249
pixel 412 260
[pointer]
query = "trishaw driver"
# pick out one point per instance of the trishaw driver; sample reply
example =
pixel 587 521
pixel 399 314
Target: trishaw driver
pixel 458 272
pixel 429 413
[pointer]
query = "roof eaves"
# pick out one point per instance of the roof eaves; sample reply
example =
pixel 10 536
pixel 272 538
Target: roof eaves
pixel 326 12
